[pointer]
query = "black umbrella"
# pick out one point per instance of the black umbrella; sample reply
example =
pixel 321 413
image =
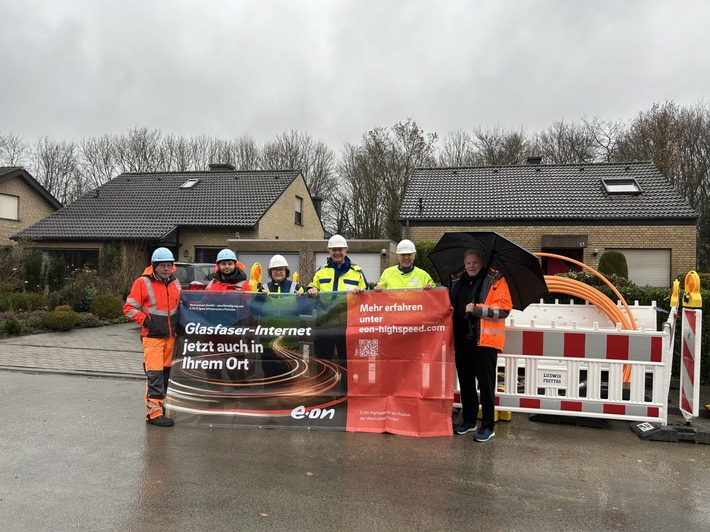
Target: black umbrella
pixel 520 268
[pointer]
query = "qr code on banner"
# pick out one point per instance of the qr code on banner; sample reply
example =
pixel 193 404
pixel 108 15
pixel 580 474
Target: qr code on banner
pixel 369 348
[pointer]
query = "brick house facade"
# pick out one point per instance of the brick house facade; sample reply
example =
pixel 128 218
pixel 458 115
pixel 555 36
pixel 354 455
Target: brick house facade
pixel 23 201
pixel 192 213
pixel 572 210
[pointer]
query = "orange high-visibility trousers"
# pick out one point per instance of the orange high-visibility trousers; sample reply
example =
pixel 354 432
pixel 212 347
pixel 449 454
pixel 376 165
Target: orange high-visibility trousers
pixel 157 358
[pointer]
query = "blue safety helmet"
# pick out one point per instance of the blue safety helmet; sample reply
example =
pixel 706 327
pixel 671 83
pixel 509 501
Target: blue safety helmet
pixel 162 255
pixel 226 254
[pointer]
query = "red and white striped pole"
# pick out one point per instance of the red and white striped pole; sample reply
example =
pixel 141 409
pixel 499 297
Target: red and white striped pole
pixel 691 333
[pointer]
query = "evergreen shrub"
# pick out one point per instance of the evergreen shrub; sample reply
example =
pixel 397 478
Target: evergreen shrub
pixel 107 307
pixel 613 263
pixel 422 259
pixel 13 327
pixel 61 319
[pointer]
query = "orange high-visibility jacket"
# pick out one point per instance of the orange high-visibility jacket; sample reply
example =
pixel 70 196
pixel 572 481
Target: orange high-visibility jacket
pixel 496 306
pixel 153 304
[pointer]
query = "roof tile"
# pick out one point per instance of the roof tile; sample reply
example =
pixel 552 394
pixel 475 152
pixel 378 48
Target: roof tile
pixel 150 206
pixel 540 192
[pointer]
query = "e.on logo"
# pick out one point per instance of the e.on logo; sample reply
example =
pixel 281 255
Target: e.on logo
pixel 300 412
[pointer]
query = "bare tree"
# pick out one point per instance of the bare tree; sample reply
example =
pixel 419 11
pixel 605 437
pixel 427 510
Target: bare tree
pixel 362 192
pixel 563 143
pixel 55 166
pixel 295 150
pixel 141 150
pixel 376 173
pixel 497 146
pixel 677 140
pixel 605 134
pixel 654 135
pixel 97 161
pixel 245 153
pixel 178 153
pixel 457 149
pixel 13 150
pixel 200 149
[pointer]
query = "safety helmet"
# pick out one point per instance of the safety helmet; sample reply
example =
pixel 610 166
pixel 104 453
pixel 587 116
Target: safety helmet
pixel 162 255
pixel 226 254
pixel 405 247
pixel 337 241
pixel 278 261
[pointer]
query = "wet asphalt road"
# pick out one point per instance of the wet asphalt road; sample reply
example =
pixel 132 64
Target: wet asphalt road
pixel 75 454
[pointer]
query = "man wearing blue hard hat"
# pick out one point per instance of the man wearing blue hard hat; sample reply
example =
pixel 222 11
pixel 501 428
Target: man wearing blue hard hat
pixel 153 304
pixel 229 274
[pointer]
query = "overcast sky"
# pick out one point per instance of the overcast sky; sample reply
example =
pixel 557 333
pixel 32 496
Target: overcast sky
pixel 338 68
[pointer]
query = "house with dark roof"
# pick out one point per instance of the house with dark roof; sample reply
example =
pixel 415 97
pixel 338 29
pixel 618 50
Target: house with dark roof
pixel 23 201
pixel 192 213
pixel 574 210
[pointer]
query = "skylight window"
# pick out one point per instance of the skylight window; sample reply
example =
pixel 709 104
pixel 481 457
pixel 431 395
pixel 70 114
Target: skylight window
pixel 622 186
pixel 190 183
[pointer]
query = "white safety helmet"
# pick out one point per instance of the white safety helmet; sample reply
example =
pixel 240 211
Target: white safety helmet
pixel 337 241
pixel 405 247
pixel 226 254
pixel 278 261
pixel 162 255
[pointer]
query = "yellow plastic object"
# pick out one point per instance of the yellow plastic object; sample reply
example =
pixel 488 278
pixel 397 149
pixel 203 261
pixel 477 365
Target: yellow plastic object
pixel 676 291
pixel 692 297
pixel 295 278
pixel 255 276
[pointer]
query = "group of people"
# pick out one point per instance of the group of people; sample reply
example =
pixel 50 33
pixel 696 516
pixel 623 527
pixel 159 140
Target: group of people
pixel 480 302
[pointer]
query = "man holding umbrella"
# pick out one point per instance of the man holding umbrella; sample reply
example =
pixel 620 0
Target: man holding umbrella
pixel 481 301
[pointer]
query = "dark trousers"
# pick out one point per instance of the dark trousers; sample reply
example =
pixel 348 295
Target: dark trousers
pixel 329 344
pixel 474 363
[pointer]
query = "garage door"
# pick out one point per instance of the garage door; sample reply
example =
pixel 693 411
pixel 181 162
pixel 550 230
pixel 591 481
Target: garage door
pixel 648 266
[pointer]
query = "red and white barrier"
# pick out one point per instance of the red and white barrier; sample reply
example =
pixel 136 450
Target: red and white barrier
pixel 548 369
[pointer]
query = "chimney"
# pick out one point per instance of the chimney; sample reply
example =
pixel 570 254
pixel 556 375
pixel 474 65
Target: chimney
pixel 221 167
pixel 318 204
pixel 534 159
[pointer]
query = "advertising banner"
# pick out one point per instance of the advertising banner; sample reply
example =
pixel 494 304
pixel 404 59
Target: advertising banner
pixel 368 362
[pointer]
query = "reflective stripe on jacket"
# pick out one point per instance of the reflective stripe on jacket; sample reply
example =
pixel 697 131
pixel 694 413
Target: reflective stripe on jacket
pixel 236 281
pixel 216 286
pixel 275 304
pixel 495 308
pixel 153 304
pixel 394 277
pixel 332 278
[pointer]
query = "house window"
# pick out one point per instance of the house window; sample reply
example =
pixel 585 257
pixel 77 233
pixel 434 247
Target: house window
pixel 203 254
pixel 299 210
pixel 190 183
pixel 621 186
pixel 9 207
pixel 77 259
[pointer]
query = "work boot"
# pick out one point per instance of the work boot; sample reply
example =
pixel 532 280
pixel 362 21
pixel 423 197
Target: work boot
pixel 160 421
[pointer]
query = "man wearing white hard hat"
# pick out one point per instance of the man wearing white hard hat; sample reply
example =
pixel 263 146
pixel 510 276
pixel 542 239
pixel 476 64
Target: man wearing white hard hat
pixel 337 275
pixel 153 303
pixel 405 274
